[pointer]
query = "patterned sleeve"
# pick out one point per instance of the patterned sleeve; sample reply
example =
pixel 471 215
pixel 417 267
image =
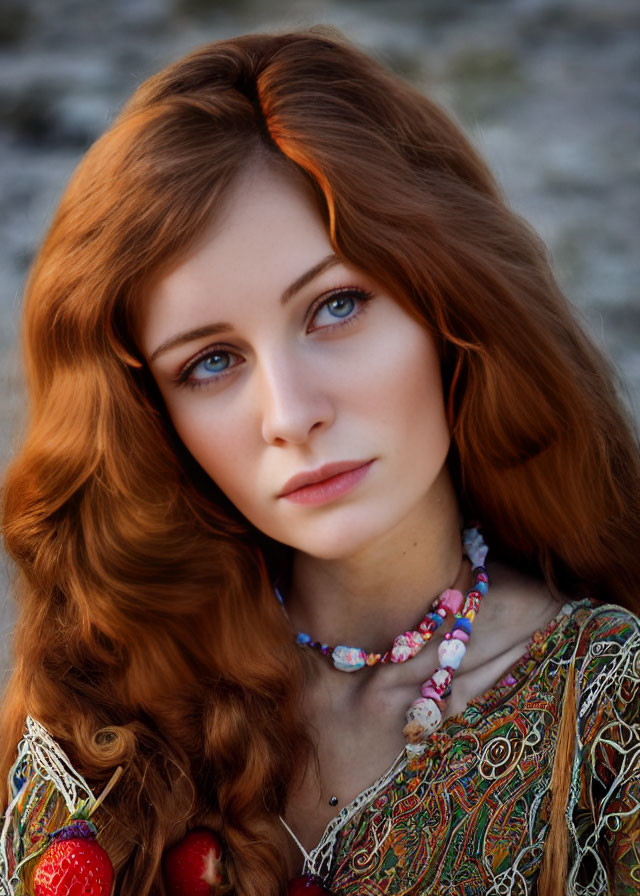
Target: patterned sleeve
pixel 604 803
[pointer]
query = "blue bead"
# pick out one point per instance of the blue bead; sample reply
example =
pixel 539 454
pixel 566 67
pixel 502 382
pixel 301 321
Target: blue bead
pixel 482 587
pixel 436 618
pixel 463 625
pixel 301 638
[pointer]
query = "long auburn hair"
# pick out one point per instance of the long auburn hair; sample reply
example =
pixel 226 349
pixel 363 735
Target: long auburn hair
pixel 147 633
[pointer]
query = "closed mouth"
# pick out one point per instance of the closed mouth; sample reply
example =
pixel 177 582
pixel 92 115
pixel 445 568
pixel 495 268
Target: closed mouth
pixel 321 474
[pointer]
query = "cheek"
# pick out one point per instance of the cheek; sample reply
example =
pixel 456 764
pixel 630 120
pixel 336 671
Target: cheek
pixel 407 388
pixel 219 441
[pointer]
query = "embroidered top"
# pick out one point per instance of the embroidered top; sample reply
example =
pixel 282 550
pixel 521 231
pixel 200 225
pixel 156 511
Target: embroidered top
pixel 470 816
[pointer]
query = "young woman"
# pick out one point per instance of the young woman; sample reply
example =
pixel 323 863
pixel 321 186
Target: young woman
pixel 287 349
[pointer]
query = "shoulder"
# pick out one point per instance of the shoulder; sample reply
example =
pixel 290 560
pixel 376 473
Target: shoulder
pixel 49 811
pixel 592 634
pixel 604 798
pixel 607 646
pixel 602 644
pixel 608 621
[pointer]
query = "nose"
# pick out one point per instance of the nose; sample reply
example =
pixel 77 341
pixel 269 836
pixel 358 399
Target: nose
pixel 294 402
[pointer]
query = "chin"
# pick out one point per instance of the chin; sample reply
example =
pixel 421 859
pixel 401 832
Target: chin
pixel 335 540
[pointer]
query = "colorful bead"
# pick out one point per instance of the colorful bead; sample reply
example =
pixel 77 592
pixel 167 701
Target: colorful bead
pixel 451 600
pixel 462 625
pixel 451 653
pixel 426 713
pixel 405 646
pixel 472 602
pixel 348 659
pixel 441 679
pixel 475 547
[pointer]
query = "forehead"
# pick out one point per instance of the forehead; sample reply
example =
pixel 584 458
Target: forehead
pixel 268 231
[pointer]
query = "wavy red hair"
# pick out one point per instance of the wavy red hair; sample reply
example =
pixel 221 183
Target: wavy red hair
pixel 147 632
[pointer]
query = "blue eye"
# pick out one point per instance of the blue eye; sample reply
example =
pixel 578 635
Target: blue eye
pixel 209 367
pixel 339 308
pixel 216 362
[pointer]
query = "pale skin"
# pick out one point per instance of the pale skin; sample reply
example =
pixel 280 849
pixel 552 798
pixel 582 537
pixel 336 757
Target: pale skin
pixel 337 372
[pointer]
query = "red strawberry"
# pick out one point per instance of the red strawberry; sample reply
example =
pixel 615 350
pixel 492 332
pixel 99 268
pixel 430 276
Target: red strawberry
pixel 74 865
pixel 193 866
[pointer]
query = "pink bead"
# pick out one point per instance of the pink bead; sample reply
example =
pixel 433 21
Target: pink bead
pixel 451 600
pixel 428 690
pixel 406 646
pixel 441 679
pixel 460 636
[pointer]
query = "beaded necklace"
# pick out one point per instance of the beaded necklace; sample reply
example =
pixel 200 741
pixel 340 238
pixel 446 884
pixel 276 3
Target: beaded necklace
pixel 425 714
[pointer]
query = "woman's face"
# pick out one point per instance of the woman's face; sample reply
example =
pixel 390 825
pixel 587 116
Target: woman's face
pixel 302 388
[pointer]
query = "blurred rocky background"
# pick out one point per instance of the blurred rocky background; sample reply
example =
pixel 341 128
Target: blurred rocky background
pixel 549 91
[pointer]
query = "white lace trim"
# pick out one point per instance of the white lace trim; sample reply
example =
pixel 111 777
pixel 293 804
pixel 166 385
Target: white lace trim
pixel 319 860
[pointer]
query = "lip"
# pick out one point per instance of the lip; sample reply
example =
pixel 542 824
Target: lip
pixel 326 483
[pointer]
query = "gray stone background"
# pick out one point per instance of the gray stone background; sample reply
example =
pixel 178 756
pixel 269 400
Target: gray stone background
pixel 549 90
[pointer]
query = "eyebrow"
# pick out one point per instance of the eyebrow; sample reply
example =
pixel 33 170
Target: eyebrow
pixel 214 329
pixel 189 336
pixel 308 276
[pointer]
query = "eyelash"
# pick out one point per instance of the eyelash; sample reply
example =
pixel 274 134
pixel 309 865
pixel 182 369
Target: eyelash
pixel 360 295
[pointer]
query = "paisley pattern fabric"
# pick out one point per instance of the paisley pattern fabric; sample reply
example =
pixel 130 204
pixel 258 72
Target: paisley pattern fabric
pixel 470 816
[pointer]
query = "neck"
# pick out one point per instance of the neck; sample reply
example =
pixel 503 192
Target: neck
pixel 367 598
